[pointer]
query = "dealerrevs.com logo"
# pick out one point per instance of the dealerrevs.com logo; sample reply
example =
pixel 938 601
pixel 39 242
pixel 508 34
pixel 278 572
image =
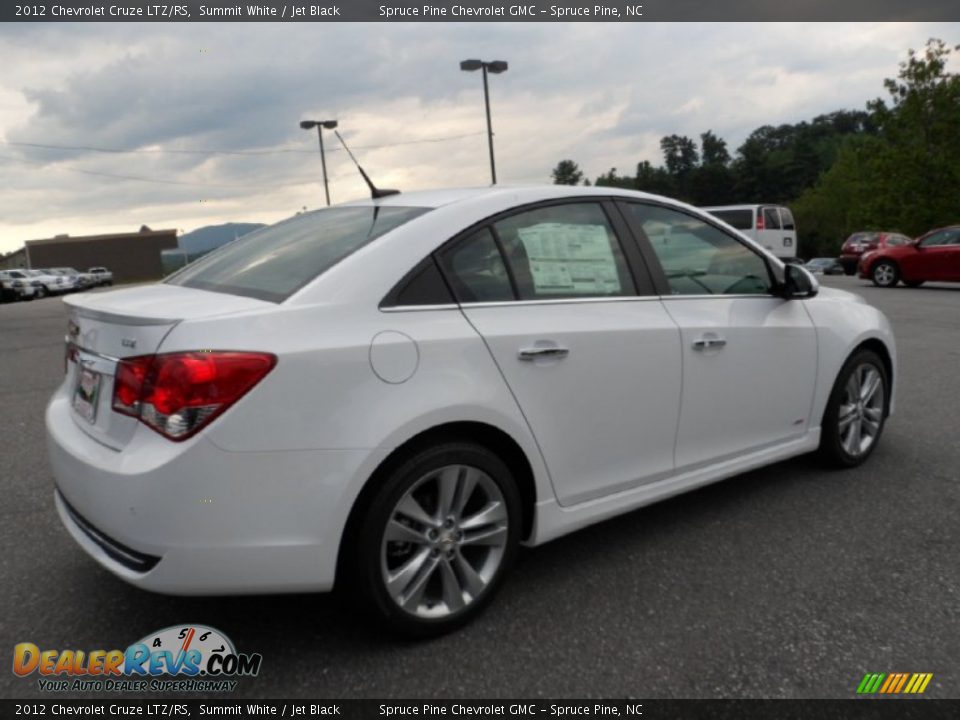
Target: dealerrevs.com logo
pixel 181 658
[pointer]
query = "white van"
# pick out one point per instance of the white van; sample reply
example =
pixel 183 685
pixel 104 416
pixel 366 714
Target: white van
pixel 771 226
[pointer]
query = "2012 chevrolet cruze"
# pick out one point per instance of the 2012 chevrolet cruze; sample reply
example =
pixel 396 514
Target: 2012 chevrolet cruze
pixel 397 392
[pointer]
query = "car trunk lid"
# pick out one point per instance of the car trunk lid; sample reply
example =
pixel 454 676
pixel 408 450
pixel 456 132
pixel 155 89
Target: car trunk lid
pixel 104 328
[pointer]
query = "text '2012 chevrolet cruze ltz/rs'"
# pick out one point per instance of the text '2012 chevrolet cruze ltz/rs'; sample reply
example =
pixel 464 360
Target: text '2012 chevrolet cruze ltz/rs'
pixel 393 394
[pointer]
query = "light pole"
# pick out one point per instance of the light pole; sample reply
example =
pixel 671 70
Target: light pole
pixel 496 67
pixel 319 125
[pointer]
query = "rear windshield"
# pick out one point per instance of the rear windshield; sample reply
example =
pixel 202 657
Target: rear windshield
pixel 739 219
pixel 273 263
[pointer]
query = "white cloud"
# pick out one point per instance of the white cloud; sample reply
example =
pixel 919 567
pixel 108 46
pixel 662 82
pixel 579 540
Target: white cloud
pixel 601 94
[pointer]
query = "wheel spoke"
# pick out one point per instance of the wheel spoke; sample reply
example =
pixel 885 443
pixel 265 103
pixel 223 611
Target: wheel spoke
pixel 853 387
pixel 872 413
pixel 852 443
pixel 452 592
pixel 848 414
pixel 398 532
pixel 447 483
pixel 871 425
pixel 416 589
pixel 409 507
pixel 496 535
pixel 465 486
pixel 471 581
pixel 493 512
pixel 400 582
pixel 870 385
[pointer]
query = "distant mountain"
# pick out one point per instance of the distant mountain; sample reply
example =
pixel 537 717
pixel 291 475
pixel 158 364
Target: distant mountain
pixel 207 238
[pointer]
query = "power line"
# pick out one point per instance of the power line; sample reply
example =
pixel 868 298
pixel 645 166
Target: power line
pixel 159 181
pixel 240 153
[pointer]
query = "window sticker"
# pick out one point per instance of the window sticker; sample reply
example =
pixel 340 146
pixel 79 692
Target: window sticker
pixel 570 259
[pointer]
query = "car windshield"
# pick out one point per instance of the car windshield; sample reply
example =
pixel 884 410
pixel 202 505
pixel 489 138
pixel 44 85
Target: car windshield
pixel 273 263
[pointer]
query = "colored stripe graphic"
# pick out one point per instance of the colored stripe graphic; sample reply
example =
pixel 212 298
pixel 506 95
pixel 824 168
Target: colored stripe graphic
pixel 894 683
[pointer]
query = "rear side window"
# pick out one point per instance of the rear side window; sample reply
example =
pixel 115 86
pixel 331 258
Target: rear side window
pixel 739 219
pixel 564 251
pixel 476 270
pixel 771 218
pixel 273 263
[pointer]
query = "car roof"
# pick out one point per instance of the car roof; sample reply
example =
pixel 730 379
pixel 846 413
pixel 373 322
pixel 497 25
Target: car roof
pixel 441 197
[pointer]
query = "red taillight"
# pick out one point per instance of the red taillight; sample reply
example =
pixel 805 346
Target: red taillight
pixel 759 221
pixel 70 355
pixel 177 394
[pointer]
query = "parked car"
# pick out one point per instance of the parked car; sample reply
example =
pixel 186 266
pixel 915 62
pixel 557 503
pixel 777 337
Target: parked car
pixel 860 242
pixel 934 256
pixel 100 276
pixel 825 266
pixel 16 285
pixel 47 282
pixel 770 226
pixel 81 281
pixel 393 394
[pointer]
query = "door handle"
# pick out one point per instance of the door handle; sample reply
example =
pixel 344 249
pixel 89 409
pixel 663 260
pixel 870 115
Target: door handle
pixel 535 353
pixel 708 343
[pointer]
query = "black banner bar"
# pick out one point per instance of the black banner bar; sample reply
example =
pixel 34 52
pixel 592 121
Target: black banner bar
pixel 873 709
pixel 480 11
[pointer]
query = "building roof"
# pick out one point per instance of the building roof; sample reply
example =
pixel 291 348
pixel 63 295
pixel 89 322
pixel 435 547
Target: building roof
pixel 90 238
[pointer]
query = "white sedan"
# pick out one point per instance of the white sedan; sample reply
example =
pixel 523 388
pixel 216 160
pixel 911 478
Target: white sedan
pixel 393 394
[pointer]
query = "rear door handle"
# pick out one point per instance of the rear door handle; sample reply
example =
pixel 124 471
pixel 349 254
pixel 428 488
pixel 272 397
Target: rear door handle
pixel 535 353
pixel 709 343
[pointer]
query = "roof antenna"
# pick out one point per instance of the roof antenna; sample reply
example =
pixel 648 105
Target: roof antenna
pixel 375 192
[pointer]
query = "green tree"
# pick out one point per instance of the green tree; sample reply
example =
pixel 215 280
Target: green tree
pixel 567 172
pixel 906 177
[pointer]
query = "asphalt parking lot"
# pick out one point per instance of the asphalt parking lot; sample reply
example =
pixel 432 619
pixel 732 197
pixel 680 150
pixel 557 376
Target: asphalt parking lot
pixel 790 581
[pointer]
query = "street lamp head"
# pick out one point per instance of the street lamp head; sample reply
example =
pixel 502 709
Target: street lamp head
pixel 497 66
pixel 310 124
pixel 471 65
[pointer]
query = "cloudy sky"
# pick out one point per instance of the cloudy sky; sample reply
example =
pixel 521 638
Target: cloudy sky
pixel 207 114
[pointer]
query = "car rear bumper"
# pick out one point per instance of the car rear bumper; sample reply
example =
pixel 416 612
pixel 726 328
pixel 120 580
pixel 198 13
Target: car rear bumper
pixel 193 519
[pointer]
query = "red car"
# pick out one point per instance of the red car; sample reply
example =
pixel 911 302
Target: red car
pixel 934 256
pixel 861 242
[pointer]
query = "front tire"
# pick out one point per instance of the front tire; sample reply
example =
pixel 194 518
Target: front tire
pixel 438 537
pixel 885 274
pixel 856 411
pixel 42 292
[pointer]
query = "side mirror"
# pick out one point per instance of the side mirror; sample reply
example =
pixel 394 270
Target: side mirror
pixel 798 282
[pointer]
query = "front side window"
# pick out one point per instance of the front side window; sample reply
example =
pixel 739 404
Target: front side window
pixel 564 251
pixel 273 263
pixel 698 258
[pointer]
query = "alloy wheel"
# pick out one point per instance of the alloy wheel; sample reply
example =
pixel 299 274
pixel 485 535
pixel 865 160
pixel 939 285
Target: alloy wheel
pixel 444 541
pixel 861 410
pixel 885 274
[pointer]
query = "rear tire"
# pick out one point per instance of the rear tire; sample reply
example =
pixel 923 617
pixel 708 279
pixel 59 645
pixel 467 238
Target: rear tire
pixel 41 292
pixel 885 274
pixel 856 411
pixel 437 539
